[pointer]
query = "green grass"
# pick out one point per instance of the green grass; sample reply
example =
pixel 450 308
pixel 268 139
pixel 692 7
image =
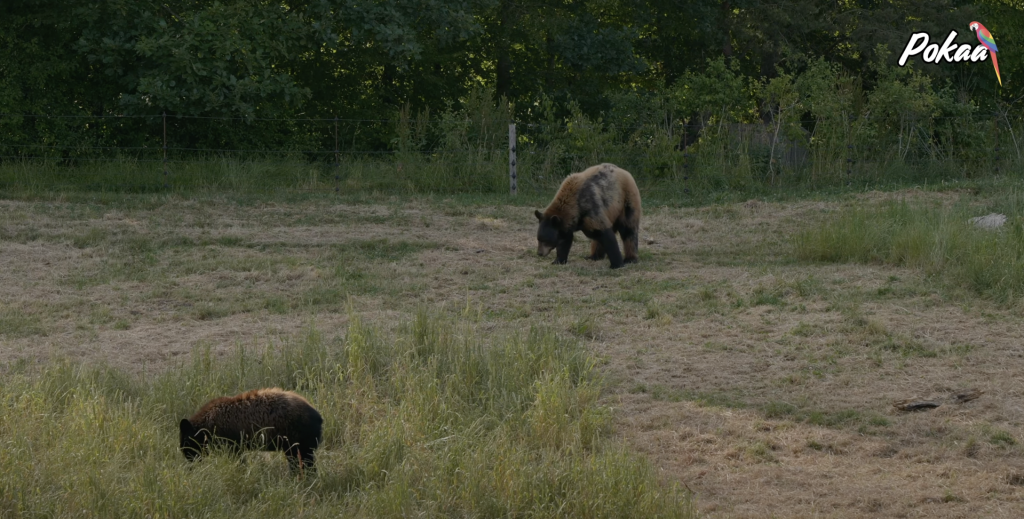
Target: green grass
pixel 433 420
pixel 1001 438
pixel 469 176
pixel 826 418
pixel 479 171
pixel 776 410
pixel 16 322
pixel 354 267
pixel 773 296
pixel 937 239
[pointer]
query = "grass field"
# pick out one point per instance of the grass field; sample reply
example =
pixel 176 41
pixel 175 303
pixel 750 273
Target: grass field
pixel 752 357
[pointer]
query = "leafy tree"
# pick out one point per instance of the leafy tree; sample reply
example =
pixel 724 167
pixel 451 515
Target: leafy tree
pixel 676 36
pixel 196 58
pixel 570 51
pixel 37 75
pixel 553 60
pixel 718 90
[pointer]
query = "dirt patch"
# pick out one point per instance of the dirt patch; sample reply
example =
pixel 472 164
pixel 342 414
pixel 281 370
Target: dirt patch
pixel 762 384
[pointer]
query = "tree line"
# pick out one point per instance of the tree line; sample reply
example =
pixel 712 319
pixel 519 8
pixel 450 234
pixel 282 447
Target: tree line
pixel 691 61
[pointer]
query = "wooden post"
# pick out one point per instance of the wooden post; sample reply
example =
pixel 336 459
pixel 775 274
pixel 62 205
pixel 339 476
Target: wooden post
pixel 512 185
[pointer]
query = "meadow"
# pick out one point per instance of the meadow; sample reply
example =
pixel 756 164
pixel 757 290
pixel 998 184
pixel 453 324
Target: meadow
pixel 747 366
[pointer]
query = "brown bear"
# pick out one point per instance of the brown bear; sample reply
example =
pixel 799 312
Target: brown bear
pixel 600 201
pixel 266 419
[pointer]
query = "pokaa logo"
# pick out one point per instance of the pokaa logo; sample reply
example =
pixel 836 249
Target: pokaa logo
pixel 950 51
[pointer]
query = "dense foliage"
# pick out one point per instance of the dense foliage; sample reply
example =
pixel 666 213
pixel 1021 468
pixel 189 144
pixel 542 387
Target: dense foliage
pixel 351 58
pixel 654 76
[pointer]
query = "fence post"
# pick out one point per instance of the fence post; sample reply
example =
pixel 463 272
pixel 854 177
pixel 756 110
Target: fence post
pixel 512 185
pixel 165 151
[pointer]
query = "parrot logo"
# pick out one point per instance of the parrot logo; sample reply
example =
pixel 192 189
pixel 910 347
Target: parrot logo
pixel 986 39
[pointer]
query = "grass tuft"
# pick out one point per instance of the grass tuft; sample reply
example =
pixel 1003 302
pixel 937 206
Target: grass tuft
pixel 937 239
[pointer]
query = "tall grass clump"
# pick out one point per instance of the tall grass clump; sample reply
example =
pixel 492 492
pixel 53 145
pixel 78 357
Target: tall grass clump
pixel 126 174
pixel 938 239
pixel 435 419
pixel 463 150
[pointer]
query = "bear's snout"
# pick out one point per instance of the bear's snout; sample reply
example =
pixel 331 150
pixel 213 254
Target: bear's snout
pixel 543 250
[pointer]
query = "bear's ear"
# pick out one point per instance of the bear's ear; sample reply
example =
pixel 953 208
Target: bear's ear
pixel 556 220
pixel 186 428
pixel 539 215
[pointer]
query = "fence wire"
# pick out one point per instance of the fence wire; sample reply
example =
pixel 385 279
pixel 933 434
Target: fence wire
pixel 154 152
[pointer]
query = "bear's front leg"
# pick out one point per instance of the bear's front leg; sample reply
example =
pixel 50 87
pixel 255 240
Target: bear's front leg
pixel 301 460
pixel 562 251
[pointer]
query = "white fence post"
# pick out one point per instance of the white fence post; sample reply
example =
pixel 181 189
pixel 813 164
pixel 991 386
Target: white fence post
pixel 512 184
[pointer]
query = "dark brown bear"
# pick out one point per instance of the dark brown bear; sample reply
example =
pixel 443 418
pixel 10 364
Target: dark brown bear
pixel 600 201
pixel 267 419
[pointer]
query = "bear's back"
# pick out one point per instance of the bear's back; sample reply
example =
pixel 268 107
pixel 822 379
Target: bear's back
pixel 285 411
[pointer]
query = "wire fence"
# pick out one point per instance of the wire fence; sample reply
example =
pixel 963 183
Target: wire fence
pixel 161 152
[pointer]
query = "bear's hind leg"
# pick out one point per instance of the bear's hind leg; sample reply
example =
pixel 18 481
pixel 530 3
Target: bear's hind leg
pixel 630 244
pixel 611 247
pixel 596 251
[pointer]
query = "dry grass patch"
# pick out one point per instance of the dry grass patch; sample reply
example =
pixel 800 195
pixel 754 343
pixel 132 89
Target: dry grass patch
pixel 763 383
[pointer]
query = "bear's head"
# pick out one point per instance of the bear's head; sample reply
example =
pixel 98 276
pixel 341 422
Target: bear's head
pixel 192 441
pixel 549 233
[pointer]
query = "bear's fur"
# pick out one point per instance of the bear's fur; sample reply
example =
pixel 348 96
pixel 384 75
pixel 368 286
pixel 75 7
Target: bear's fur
pixel 600 201
pixel 266 419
